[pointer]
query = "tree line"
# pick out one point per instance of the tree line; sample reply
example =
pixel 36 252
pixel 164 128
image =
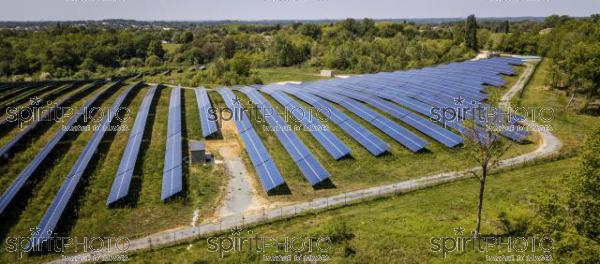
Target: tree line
pixel 351 45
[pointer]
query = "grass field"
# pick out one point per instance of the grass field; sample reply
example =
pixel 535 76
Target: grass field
pixel 267 75
pixel 397 229
pixel 171 48
pixel 271 75
pixel 569 125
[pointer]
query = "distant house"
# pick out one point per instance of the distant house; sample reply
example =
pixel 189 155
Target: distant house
pixel 328 73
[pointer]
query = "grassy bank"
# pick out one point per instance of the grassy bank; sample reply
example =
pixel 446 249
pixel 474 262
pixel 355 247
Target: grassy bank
pixel 396 229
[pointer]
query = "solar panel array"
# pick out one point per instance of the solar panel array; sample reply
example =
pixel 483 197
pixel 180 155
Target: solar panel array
pixel 387 126
pixel 333 145
pixel 269 175
pixel 312 170
pixel 6 148
pixel 375 145
pixel 24 176
pixel 433 87
pixel 58 205
pixel 408 96
pixel 208 124
pixel 421 124
pixel 120 186
pixel 173 172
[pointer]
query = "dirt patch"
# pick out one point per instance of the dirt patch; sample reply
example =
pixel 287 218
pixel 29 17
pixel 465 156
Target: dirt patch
pixel 242 190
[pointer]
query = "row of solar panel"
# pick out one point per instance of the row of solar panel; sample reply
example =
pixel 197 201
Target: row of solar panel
pixel 51 217
pixel 333 145
pixel 24 176
pixel 122 181
pixel 6 148
pixel 269 175
pixel 431 91
pixel 312 170
pixel 172 171
pixel 363 136
pixel 207 120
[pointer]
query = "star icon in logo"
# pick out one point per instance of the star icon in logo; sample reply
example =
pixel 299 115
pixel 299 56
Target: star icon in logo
pixel 35 100
pixel 236 101
pixel 459 100
pixel 35 231
pixel 459 230
pixel 236 230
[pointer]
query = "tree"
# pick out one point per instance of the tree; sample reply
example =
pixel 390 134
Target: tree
pixel 6 57
pixel 228 47
pixel 571 215
pixel 155 48
pixel 186 37
pixel 311 30
pixel 471 32
pixel 485 148
pixel 284 52
pixel 505 27
pixel 585 190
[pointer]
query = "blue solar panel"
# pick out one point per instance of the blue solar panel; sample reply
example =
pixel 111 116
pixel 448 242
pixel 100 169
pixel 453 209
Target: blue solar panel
pixel 312 170
pixel 4 150
pixel 54 212
pixel 209 126
pixel 172 170
pixel 336 148
pixel 23 177
pixel 398 133
pixel 269 175
pixel 425 126
pixel 364 137
pixel 120 186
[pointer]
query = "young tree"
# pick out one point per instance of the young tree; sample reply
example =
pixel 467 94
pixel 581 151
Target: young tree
pixel 471 33
pixel 486 148
pixel 155 48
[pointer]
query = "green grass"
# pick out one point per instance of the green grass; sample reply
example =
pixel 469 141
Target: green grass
pixel 280 74
pixel 171 48
pixel 567 124
pixel 396 229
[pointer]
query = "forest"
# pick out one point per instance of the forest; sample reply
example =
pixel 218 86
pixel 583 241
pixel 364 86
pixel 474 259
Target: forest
pixel 229 54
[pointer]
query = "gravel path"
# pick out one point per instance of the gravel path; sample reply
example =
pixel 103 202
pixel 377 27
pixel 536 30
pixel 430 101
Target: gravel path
pixel 549 145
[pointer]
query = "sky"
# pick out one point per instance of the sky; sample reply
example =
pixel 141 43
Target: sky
pixel 201 10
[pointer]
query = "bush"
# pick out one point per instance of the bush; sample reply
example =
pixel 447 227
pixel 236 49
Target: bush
pixel 153 61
